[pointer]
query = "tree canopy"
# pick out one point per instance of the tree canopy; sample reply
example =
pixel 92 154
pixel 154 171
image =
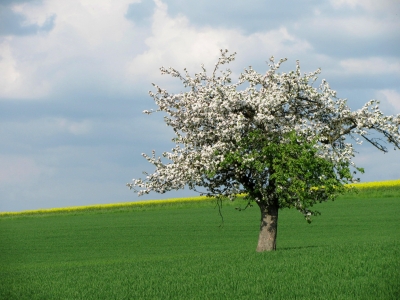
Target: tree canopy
pixel 275 137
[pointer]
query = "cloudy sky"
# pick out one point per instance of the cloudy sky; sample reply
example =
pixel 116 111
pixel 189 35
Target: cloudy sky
pixel 75 76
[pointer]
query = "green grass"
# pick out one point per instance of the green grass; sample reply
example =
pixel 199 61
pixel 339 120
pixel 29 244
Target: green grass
pixel 180 251
pixel 387 188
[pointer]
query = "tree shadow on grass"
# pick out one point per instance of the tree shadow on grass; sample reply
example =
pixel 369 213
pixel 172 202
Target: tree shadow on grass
pixel 302 247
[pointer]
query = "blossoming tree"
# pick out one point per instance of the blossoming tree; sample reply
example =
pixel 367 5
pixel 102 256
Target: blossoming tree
pixel 274 137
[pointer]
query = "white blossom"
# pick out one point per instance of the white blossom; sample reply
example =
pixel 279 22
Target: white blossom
pixel 214 114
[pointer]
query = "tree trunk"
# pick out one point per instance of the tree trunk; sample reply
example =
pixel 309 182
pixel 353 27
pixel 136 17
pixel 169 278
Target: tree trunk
pixel 268 227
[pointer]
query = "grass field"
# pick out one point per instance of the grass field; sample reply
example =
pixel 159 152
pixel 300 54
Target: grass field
pixel 181 251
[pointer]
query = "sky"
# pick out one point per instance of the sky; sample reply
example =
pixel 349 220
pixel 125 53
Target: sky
pixel 75 76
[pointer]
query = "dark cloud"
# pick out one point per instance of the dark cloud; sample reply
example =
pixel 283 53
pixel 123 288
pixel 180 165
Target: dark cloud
pixel 12 23
pixel 86 165
pixel 140 13
pixel 72 106
pixel 344 45
pixel 10 2
pixel 298 16
pixel 248 16
pixel 30 126
pixel 360 37
pixel 359 81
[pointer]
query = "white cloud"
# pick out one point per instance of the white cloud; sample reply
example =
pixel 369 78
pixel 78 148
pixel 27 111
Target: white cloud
pixel 93 53
pixel 391 97
pixel 16 81
pixel 17 169
pixel 175 42
pixel 9 74
pixel 370 5
pixel 370 66
pixel 359 26
pixel 94 22
pixel 87 39
pixel 43 130
pixel 75 128
pixel 360 19
pixel 378 165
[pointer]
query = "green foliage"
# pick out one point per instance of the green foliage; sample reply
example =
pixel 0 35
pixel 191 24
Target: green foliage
pixel 302 178
pixel 291 168
pixel 182 253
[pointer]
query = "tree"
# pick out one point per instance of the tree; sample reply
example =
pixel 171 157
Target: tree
pixel 273 137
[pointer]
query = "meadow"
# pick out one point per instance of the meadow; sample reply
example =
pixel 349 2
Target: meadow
pixel 183 250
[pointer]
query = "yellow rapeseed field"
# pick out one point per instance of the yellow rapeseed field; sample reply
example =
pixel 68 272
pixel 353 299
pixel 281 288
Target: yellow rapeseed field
pixel 377 184
pixel 362 186
pixel 105 206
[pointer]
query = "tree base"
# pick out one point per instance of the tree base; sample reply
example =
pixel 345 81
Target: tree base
pixel 268 228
